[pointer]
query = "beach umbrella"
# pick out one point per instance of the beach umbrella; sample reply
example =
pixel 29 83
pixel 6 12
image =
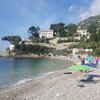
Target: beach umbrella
pixel 79 67
pixel 89 58
pixel 97 58
pixel 90 65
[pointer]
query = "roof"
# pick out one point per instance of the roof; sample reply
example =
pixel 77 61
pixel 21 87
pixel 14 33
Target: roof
pixel 46 30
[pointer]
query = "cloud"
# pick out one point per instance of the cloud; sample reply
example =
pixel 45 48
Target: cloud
pixel 92 10
pixel 72 8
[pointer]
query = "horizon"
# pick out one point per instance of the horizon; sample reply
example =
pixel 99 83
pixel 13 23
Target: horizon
pixel 16 16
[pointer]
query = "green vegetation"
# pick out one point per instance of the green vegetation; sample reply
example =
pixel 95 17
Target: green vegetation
pixel 71 29
pixel 34 31
pixel 12 39
pixel 36 49
pixel 96 53
pixel 62 30
pixel 93 42
pixel 59 29
pixel 39 40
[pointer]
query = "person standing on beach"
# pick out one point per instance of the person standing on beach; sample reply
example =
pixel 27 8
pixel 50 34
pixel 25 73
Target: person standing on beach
pixel 96 63
pixel 78 56
pixel 83 61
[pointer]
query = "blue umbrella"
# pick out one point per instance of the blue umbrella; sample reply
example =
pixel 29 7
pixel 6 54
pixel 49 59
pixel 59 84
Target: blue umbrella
pixel 91 65
pixel 89 58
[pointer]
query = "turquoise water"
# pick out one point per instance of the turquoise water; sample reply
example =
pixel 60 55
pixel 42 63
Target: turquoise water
pixel 13 70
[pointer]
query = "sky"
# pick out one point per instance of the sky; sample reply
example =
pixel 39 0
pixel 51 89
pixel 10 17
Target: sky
pixel 16 16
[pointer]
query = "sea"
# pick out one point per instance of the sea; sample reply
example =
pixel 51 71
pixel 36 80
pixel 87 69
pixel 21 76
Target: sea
pixel 19 70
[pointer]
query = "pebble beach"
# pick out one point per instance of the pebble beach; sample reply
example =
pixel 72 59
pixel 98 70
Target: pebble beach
pixel 54 86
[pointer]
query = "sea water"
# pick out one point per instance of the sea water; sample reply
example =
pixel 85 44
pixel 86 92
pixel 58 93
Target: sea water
pixel 19 70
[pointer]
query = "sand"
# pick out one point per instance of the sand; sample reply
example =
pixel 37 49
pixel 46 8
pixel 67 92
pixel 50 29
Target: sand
pixel 55 86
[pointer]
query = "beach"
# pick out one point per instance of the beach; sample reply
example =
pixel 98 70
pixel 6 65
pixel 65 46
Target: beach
pixel 53 86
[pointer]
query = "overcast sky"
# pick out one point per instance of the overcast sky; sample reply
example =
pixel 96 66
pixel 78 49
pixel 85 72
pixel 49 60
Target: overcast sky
pixel 16 16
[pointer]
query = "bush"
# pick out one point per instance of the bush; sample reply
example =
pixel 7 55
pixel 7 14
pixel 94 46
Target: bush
pixel 37 49
pixel 7 49
pixel 39 40
pixel 96 53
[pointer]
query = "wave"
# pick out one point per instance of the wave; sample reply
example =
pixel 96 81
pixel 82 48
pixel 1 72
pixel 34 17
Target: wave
pixel 45 74
pixel 29 79
pixel 22 81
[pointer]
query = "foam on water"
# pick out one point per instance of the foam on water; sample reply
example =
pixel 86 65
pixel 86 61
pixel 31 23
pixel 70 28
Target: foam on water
pixel 26 80
pixel 23 81
pixel 45 74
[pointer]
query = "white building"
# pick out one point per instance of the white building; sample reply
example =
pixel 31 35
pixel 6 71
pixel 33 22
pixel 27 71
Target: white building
pixel 46 34
pixel 82 32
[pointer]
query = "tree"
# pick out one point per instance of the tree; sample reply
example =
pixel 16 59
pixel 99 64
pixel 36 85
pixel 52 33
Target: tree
pixel 98 36
pixel 91 28
pixel 83 39
pixel 34 31
pixel 59 29
pixel 71 29
pixel 12 39
pixel 22 46
pixel 93 32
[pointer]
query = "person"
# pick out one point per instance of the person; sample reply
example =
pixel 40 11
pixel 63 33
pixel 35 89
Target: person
pixel 83 61
pixel 97 63
pixel 78 56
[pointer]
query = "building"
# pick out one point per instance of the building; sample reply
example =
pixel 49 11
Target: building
pixel 82 32
pixel 46 34
pixel 12 46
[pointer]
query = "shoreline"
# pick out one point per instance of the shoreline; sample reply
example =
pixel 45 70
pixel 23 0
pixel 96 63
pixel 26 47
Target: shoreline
pixel 41 56
pixel 10 92
pixel 31 55
pixel 22 56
